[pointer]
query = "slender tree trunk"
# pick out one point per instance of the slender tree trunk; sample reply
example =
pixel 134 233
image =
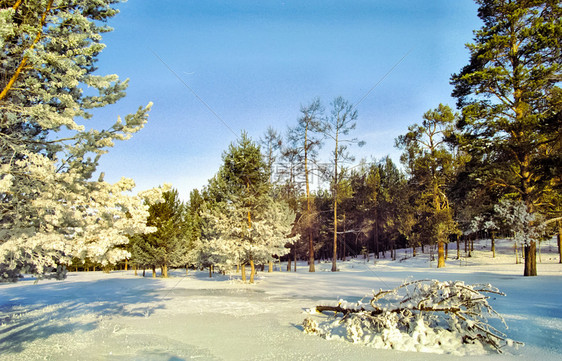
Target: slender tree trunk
pixel 493 244
pixel 530 259
pixel 441 254
pixel 243 269
pixel 144 272
pixel 126 264
pixel 252 270
pixel 270 267
pixel 516 253
pixel 295 260
pixel 376 235
pixel 560 241
pixel 211 271
pixel 446 250
pixel 308 208
pixel 289 263
pixel 153 271
pixel 164 271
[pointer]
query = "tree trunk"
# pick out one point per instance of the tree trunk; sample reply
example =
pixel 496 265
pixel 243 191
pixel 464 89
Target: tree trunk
pixel 516 253
pixel 210 271
pixel 335 245
pixel 446 250
pixel 295 259
pixel 289 263
pixel 376 236
pixel 493 244
pixel 164 271
pixel 441 254
pixel 144 272
pixel 270 267
pixel 252 271
pixel 135 268
pixel 413 251
pixel 530 259
pixel 153 271
pixel 126 264
pixel 560 240
pixel 243 270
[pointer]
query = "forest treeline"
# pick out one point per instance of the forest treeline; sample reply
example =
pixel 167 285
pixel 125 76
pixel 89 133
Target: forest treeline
pixel 490 164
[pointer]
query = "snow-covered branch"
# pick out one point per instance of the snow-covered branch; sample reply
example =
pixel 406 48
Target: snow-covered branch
pixel 419 315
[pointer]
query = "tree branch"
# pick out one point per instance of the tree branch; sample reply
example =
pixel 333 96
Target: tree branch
pixel 19 69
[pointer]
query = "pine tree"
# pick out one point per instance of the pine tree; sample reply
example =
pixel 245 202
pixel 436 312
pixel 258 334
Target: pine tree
pixel 341 121
pixel 50 208
pixel 242 224
pixel 432 167
pixel 511 100
pixel 170 244
pixel 305 141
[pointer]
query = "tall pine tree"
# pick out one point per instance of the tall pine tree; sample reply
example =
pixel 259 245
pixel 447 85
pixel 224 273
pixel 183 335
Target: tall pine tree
pixel 511 100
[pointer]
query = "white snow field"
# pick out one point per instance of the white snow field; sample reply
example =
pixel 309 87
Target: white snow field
pixel 119 316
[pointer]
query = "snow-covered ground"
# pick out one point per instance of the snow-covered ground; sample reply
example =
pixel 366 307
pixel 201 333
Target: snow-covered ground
pixel 119 316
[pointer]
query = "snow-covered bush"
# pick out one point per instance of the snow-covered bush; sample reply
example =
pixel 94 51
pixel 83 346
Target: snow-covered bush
pixel 426 316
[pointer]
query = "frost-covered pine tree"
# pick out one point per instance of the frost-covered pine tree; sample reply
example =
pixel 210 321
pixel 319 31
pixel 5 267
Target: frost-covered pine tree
pixel 50 207
pixel 527 227
pixel 243 224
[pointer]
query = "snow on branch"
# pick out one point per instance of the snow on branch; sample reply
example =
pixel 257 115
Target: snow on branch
pixel 423 315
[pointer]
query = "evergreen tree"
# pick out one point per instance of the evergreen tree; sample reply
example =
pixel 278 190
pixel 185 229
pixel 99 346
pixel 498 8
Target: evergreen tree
pixel 305 141
pixel 511 100
pixel 432 168
pixel 50 208
pixel 244 225
pixel 341 121
pixel 170 245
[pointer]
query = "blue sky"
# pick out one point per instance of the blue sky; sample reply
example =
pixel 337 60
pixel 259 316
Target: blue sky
pixel 256 62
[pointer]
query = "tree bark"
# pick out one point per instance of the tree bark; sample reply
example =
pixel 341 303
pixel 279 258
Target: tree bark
pixel 560 240
pixel 493 244
pixel 295 259
pixel 289 263
pixel 270 267
pixel 243 270
pixel 530 259
pixel 153 271
pixel 164 271
pixel 252 271
pixel 441 254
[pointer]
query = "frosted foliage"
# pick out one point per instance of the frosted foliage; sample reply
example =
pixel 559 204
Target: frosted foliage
pixel 59 215
pixel 50 208
pixel 526 226
pixel 230 240
pixel 426 316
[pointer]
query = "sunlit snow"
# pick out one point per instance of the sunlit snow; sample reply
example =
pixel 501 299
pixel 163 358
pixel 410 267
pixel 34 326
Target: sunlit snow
pixel 119 316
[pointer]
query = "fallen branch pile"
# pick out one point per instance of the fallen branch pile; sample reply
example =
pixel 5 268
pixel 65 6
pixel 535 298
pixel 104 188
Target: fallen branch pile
pixel 418 313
